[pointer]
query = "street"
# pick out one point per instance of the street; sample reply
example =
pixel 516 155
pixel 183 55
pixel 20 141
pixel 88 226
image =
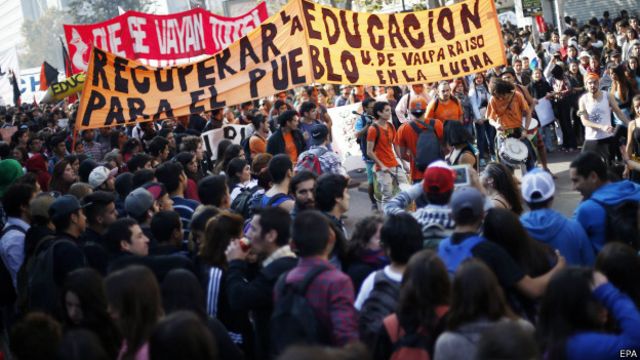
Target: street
pixel 565 201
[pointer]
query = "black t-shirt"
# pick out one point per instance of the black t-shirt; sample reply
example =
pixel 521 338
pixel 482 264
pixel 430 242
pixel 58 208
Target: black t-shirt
pixel 498 260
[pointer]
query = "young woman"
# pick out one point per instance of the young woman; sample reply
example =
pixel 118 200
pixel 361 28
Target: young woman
pixel 239 175
pixel 501 187
pixel 571 317
pixel 190 166
pixel 219 233
pixel 459 140
pixel 63 177
pixel 479 97
pixel 459 90
pixel 424 301
pixel 222 148
pixel 85 303
pixel 135 306
pixel 230 153
pixel 364 251
pixel 477 304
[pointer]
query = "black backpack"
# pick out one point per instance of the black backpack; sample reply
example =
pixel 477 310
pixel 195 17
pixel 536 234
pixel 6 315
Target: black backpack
pixel 293 320
pixel 7 291
pixel 621 222
pixel 381 302
pixel 428 147
pixel 242 202
pixel 362 141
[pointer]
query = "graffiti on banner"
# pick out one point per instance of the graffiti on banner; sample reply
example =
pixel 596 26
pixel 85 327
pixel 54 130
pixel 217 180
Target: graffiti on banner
pixel 136 35
pixel 291 49
pixel 211 138
pixel 343 130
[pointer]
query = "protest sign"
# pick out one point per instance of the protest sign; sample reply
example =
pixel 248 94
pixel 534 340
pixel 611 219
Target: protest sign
pixel 233 132
pixel 141 36
pixel 343 130
pixel 297 46
pixel 67 87
pixel 544 110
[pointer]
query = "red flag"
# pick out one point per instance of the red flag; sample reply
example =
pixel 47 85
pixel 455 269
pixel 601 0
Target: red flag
pixel 48 76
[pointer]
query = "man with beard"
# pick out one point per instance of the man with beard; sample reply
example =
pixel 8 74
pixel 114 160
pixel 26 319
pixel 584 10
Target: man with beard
pixel 303 188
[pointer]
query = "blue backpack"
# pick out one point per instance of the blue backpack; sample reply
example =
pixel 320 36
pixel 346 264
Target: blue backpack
pixel 454 254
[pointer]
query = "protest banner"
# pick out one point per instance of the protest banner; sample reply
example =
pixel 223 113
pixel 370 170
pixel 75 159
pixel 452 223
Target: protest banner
pixel 64 88
pixel 141 36
pixel 343 130
pixel 233 132
pixel 302 44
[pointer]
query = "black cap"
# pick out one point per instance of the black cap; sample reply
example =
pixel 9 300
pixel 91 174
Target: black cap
pixel 63 206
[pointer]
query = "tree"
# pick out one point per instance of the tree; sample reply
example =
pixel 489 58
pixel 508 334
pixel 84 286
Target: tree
pixel 94 11
pixel 42 40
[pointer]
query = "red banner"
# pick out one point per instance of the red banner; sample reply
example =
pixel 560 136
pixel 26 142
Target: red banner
pixel 162 38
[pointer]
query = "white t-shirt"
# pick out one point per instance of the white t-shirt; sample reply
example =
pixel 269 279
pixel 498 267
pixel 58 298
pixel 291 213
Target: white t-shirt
pixel 367 285
pixel 599 112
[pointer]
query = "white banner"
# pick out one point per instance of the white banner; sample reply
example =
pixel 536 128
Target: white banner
pixel 8 63
pixel 235 133
pixel 29 84
pixel 344 132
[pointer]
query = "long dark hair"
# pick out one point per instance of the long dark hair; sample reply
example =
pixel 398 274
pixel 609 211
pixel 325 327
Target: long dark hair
pixel 230 153
pixel 476 294
pixel 57 179
pixel 425 285
pixel 234 167
pixel 364 230
pixel 218 234
pixel 505 184
pixel 133 293
pixel 566 308
pixel 88 286
pixel 621 264
pixel 504 228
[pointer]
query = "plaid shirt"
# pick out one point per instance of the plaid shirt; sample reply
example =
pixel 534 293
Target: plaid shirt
pixel 331 296
pixel 329 161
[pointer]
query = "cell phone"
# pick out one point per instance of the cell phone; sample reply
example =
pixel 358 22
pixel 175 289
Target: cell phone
pixel 462 175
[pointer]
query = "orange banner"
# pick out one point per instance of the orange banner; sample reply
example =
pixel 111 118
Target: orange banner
pixel 303 43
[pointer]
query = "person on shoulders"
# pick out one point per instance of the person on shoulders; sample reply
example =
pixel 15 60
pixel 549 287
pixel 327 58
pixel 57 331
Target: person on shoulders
pixel 548 225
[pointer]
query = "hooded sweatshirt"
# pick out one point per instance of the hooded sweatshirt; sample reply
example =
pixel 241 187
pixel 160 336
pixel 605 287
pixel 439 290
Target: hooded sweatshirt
pixel 567 236
pixel 592 216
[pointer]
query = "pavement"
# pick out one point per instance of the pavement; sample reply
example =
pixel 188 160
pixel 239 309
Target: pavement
pixel 565 200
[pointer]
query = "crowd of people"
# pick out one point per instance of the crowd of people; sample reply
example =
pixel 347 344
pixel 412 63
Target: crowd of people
pixel 134 243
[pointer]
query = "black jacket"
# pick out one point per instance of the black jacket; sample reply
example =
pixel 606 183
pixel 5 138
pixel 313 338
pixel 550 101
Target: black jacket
pixel 256 295
pixel 276 145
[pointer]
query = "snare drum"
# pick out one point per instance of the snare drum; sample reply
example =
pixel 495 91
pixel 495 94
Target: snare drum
pixel 513 152
pixel 532 131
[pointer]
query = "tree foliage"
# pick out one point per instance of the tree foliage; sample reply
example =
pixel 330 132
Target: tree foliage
pixel 93 11
pixel 42 40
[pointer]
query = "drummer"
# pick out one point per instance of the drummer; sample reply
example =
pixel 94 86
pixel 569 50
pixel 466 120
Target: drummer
pixel 509 75
pixel 506 109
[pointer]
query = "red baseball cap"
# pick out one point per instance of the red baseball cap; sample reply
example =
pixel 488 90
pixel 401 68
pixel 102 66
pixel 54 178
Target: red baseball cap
pixel 439 178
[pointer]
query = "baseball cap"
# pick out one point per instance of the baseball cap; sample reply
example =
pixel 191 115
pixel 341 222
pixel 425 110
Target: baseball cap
pixel 584 54
pixel 508 70
pixel 63 206
pixel 537 186
pixel 319 134
pixel 438 177
pixel 99 175
pixel 138 202
pixel 10 171
pixel 418 106
pixel 466 198
pixel 156 189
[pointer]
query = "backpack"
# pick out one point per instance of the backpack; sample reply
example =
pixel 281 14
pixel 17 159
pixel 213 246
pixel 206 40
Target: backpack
pixel 242 202
pixel 621 222
pixel 428 147
pixel 362 141
pixel 7 291
pixel 273 201
pixel 381 302
pixel 432 235
pixel 453 255
pixel 41 289
pixel 416 345
pixel 310 161
pixel 293 320
pixel 246 147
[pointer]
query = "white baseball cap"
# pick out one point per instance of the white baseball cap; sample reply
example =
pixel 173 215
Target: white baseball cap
pixel 537 186
pixel 99 175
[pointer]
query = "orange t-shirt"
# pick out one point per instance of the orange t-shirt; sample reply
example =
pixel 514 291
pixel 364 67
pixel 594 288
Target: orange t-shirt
pixel 451 110
pixel 290 147
pixel 258 145
pixel 408 138
pixel 384 147
pixel 508 113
